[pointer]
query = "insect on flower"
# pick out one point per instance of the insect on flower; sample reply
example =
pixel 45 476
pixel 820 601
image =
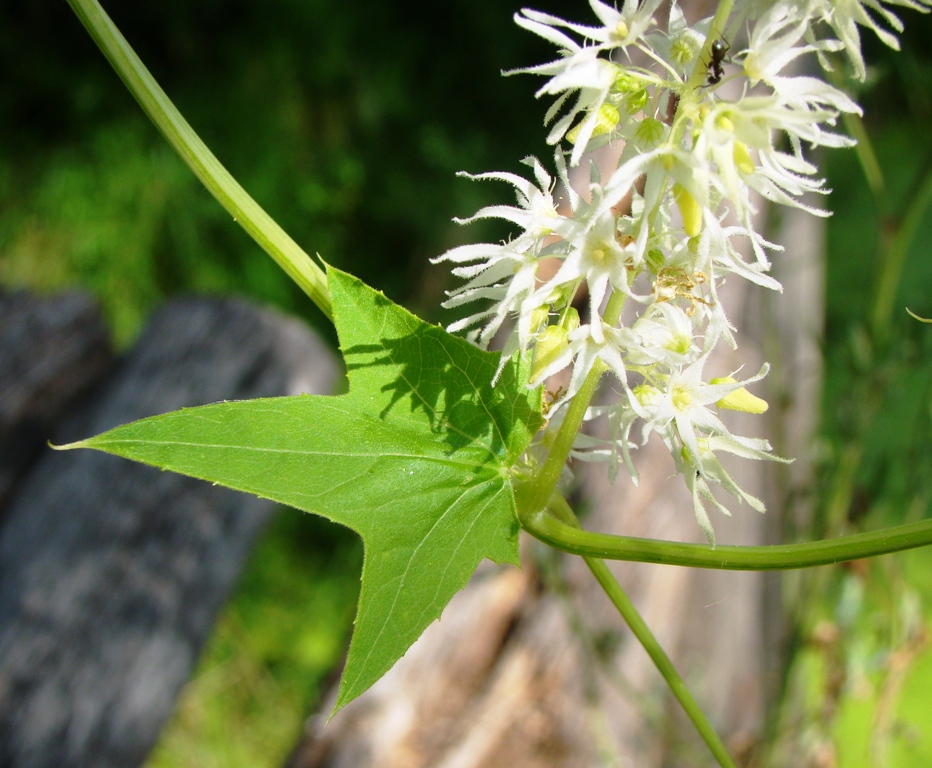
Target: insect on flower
pixel 717 54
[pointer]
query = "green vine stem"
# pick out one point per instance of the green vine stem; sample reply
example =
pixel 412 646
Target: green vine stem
pixel 553 525
pixel 535 493
pixel 698 76
pixel 245 211
pixel 646 638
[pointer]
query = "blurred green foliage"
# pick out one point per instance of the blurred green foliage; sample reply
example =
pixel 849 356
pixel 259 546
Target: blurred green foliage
pixel 860 666
pixel 347 122
pixel 878 391
pixel 275 647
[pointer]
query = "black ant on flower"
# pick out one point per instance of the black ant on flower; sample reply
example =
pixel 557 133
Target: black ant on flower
pixel 717 54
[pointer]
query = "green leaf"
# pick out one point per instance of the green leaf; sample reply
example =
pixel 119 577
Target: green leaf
pixel 416 458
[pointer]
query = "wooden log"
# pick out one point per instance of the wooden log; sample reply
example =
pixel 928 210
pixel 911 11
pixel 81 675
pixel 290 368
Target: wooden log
pixel 52 350
pixel 112 573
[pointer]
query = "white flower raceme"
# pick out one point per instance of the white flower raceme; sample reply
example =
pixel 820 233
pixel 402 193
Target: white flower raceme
pixel 653 231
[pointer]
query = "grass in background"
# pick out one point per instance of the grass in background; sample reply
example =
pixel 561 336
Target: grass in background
pixel 858 682
pixel 273 652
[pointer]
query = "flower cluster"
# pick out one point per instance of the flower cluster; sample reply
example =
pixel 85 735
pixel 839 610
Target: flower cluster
pixel 669 223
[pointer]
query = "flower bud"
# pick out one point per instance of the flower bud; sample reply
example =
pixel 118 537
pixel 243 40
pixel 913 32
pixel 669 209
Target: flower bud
pixel 549 346
pixel 742 157
pixel 650 132
pixel 539 317
pixel 646 394
pixel 606 119
pixel 690 210
pixel 655 260
pixel 625 83
pixel 636 101
pixel 740 399
pixel 570 320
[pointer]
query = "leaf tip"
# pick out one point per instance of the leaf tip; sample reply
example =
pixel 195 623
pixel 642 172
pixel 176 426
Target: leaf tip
pixel 69 446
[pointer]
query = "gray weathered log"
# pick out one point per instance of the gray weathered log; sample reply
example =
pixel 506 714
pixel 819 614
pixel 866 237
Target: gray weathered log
pixel 51 351
pixel 112 573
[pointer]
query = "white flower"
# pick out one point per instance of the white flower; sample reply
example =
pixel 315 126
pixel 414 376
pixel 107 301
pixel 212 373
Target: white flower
pixel 536 212
pixel 680 45
pixel 586 348
pixel 618 29
pixel 506 275
pixel 844 16
pixel 664 335
pixel 680 411
pixel 651 231
pixel 594 256
pixel 580 70
pixel 698 479
pixel 620 418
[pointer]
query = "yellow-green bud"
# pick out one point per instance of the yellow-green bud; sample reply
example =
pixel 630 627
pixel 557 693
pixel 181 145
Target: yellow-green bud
pixel 570 320
pixel 690 210
pixel 606 119
pixel 655 260
pixel 649 133
pixel 539 317
pixel 740 399
pixel 646 394
pixel 636 101
pixel 625 83
pixel 549 346
pixel 621 29
pixel 561 296
pixel 742 157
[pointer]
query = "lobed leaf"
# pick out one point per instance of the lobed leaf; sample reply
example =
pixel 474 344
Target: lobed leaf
pixel 416 459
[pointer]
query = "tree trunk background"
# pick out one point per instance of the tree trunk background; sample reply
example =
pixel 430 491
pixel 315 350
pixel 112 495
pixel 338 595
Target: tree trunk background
pixel 112 573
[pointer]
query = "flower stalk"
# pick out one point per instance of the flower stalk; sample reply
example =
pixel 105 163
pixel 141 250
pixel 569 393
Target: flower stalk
pixel 228 192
